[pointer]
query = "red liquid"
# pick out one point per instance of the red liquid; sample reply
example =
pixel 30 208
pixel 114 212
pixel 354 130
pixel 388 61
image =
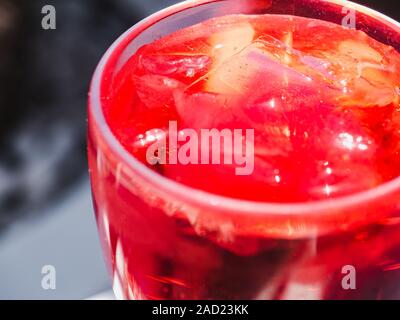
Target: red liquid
pixel 324 103
pixel 326 106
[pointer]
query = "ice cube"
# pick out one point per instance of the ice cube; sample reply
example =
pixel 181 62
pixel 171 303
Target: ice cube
pixel 360 51
pixel 266 65
pixel 241 86
pixel 225 45
pixel 156 91
pixel 339 156
pixel 362 70
pixel 202 110
pixel 177 66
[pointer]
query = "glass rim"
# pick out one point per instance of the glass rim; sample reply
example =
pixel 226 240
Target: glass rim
pixel 204 198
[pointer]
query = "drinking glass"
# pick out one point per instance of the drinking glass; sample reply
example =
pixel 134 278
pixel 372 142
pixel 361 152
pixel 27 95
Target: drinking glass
pixel 166 240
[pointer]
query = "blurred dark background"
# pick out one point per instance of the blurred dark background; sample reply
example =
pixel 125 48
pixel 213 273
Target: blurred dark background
pixel 44 79
pixel 45 210
pixel 46 215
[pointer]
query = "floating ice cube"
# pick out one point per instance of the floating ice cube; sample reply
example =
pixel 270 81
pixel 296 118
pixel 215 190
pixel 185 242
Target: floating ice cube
pixel 156 91
pixel 176 65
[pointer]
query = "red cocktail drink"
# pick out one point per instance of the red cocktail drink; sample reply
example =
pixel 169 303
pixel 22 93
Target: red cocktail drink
pixel 250 150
